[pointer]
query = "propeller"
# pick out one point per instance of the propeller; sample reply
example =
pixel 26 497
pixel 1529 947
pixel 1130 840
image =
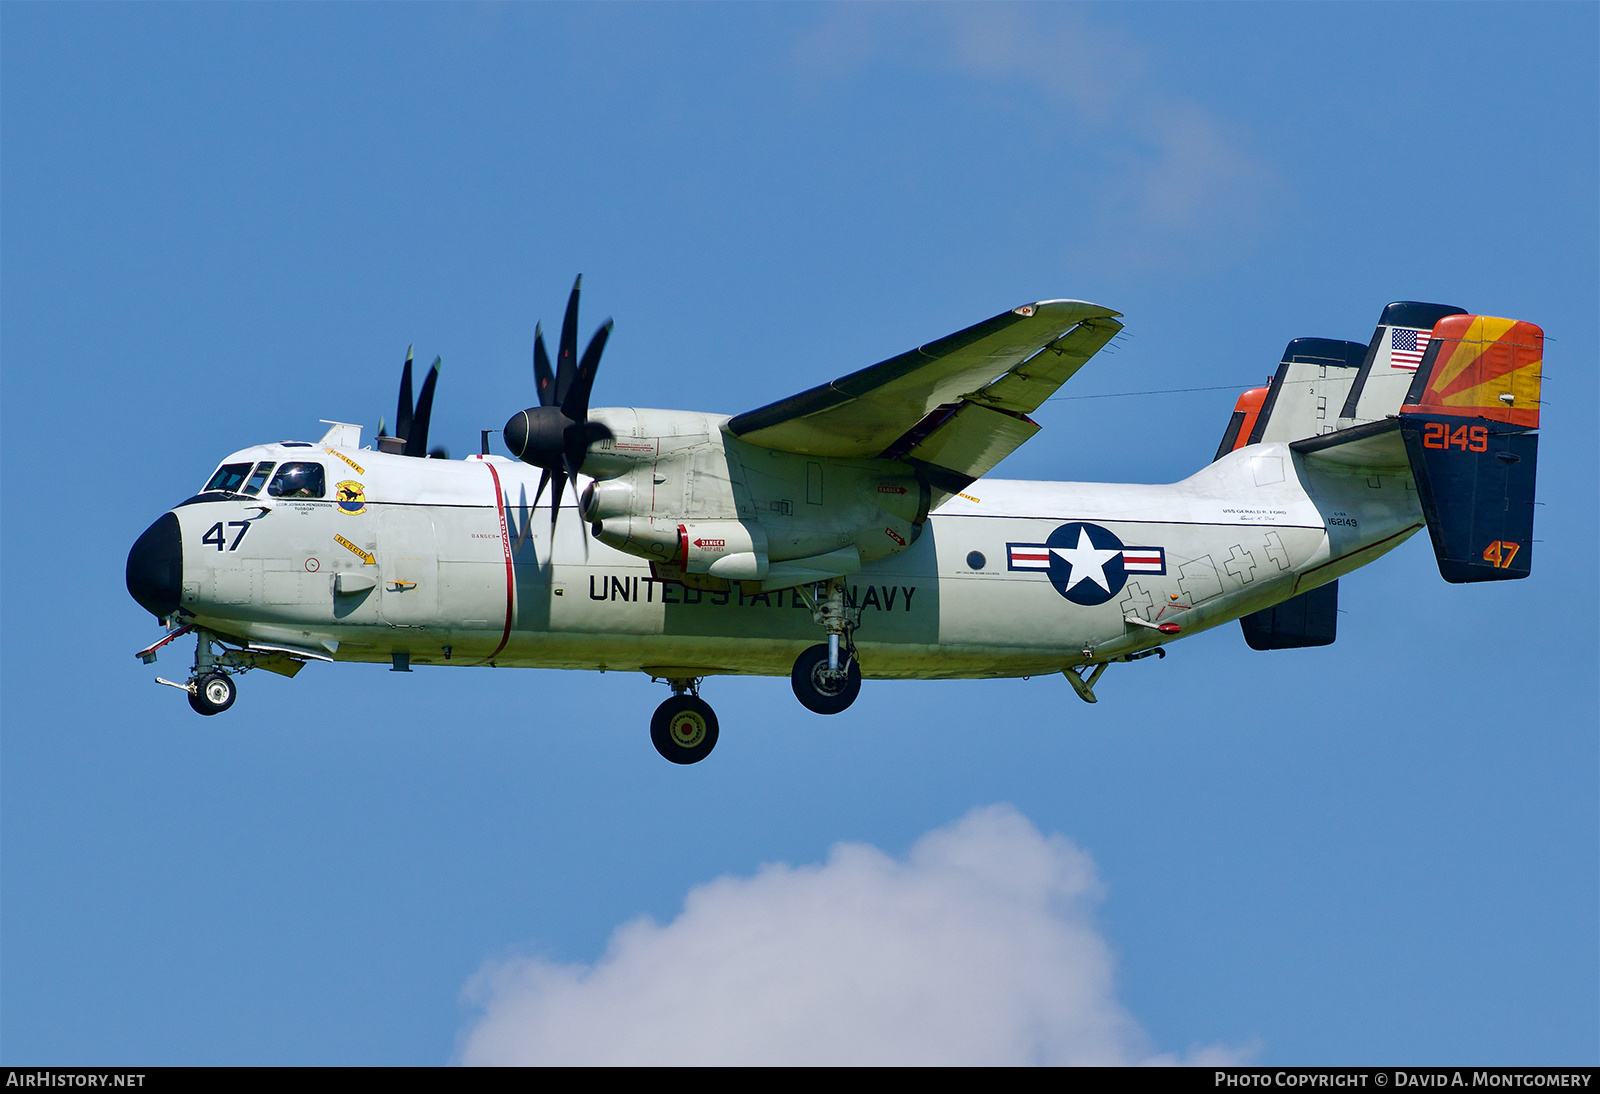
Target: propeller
pixel 556 434
pixel 411 422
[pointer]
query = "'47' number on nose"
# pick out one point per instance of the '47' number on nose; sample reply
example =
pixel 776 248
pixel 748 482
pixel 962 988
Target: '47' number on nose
pixel 214 535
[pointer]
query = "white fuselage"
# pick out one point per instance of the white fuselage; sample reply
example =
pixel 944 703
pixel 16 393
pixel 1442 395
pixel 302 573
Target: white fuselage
pixel 448 562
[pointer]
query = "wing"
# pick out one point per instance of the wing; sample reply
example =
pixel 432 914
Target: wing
pixel 957 406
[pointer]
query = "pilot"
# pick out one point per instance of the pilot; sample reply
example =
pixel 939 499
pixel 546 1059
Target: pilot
pixel 298 480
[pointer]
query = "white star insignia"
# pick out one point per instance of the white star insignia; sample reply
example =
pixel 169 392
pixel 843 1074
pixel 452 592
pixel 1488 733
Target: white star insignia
pixel 1088 562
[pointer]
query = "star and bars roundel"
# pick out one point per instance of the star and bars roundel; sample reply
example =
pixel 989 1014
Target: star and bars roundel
pixel 1087 564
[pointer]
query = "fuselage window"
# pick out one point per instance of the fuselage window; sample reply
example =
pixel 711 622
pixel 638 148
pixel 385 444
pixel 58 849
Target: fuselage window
pixel 259 479
pixel 228 477
pixel 298 480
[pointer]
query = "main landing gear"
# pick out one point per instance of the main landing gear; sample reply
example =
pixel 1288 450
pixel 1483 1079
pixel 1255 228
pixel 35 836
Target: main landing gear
pixel 827 677
pixel 684 728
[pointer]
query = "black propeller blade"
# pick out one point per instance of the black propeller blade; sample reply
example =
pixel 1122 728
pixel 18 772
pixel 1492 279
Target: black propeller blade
pixel 411 421
pixel 556 434
pixel 417 435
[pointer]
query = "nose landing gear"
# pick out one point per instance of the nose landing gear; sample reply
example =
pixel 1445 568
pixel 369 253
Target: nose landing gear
pixel 684 728
pixel 210 688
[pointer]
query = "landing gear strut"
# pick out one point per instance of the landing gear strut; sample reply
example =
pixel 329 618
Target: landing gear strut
pixel 827 677
pixel 684 728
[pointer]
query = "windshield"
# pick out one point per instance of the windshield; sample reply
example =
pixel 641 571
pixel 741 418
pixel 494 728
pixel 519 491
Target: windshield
pixel 259 479
pixel 228 477
pixel 298 480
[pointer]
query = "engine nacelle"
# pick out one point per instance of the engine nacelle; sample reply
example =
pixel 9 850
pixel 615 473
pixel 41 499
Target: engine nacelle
pixel 675 488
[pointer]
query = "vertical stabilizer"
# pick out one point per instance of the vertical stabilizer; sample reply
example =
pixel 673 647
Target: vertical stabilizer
pixel 1391 360
pixel 1308 389
pixel 1468 420
pixel 1310 619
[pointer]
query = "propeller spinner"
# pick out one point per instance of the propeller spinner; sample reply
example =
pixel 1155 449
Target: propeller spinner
pixel 556 434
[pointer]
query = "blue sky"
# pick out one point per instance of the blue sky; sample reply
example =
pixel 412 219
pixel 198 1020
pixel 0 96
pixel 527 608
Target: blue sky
pixel 221 223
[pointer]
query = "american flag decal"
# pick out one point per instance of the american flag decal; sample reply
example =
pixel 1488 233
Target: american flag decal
pixel 1406 347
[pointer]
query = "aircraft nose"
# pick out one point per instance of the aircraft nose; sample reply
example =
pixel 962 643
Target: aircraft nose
pixel 155 567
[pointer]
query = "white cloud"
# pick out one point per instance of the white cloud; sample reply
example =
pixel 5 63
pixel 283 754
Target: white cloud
pixel 979 948
pixel 1171 182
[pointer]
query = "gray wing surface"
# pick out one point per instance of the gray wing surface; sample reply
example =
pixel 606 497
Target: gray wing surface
pixel 959 405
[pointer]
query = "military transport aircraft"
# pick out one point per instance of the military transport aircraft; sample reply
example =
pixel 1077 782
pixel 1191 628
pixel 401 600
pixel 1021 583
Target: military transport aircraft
pixel 849 530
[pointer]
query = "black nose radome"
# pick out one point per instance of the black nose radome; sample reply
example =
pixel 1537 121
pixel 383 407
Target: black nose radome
pixel 155 567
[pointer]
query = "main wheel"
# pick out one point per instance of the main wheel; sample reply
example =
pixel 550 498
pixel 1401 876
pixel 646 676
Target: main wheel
pixel 819 690
pixel 684 729
pixel 212 694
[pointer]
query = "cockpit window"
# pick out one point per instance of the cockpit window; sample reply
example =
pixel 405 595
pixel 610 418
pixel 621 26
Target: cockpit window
pixel 259 479
pixel 298 480
pixel 228 477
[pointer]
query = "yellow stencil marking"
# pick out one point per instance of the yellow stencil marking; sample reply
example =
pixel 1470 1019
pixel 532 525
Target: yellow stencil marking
pixel 334 452
pixel 969 497
pixel 353 549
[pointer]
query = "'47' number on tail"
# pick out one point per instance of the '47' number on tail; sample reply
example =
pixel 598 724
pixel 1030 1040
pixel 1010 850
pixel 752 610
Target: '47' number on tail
pixel 1501 552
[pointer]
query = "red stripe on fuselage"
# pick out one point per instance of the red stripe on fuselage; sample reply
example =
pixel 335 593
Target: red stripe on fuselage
pixel 511 573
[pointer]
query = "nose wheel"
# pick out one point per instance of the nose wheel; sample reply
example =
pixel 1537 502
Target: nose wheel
pixel 684 729
pixel 212 694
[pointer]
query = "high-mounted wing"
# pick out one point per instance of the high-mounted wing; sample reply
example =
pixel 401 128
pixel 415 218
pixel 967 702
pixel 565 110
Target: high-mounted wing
pixel 955 407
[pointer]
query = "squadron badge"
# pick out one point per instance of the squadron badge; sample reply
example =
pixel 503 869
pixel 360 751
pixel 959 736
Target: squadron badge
pixel 352 497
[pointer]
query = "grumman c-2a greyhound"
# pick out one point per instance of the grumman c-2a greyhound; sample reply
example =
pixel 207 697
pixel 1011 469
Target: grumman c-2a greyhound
pixel 849 531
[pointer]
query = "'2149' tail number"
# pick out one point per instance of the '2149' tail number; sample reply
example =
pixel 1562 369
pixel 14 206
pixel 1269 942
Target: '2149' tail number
pixel 1467 438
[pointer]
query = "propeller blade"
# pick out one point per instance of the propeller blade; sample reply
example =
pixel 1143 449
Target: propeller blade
pixel 555 503
pixel 576 404
pixel 417 437
pixel 544 480
pixel 402 417
pixel 383 430
pixel 575 442
pixel 567 359
pixel 543 379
